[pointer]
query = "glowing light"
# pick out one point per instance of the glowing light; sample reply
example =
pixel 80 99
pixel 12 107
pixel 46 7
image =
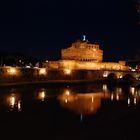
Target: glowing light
pixel 19 105
pixel 117 97
pixel 42 95
pixel 81 103
pixel 12 101
pixel 112 97
pixel 12 71
pixel 120 76
pixel 42 71
pixel 84 37
pixel 105 74
pixel 132 90
pixel 67 92
pixel 67 71
pixel 104 87
pixel 135 101
pixel 66 100
pixel 128 101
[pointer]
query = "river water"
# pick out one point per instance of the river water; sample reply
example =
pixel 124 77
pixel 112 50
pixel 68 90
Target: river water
pixel 86 111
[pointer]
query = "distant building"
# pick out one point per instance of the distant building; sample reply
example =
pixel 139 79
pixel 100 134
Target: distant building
pixel 83 55
pixel 83 51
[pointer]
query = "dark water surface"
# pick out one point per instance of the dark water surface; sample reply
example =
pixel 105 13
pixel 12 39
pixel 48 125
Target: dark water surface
pixel 90 111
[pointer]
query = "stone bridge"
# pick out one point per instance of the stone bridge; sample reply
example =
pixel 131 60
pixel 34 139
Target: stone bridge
pixel 12 74
pixel 122 74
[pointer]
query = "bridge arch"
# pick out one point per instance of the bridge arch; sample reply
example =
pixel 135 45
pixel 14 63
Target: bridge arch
pixel 128 78
pixel 112 77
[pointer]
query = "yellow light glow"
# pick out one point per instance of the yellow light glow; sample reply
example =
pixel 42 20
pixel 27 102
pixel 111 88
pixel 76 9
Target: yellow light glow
pixel 12 101
pixel 67 92
pixel 112 97
pixel 12 71
pixel 42 71
pixel 42 95
pixel 105 74
pixel 135 101
pixel 132 90
pixel 120 76
pixel 104 87
pixel 81 103
pixel 67 71
pixel 117 97
pixel 128 101
pixel 66 100
pixel 19 105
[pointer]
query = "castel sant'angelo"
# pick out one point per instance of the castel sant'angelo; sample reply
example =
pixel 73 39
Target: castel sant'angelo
pixel 83 55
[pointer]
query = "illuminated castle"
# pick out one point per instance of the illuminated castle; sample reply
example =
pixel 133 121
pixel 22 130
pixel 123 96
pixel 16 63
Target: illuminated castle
pixel 83 55
pixel 83 51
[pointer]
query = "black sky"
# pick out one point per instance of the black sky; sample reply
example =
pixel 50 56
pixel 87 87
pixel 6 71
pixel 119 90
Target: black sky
pixel 41 28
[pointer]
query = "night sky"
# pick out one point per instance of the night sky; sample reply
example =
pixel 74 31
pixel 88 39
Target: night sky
pixel 42 28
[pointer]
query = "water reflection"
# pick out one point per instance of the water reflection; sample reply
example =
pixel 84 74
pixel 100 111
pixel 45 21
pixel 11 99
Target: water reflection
pixel 128 101
pixel 41 94
pixel 105 89
pixel 82 103
pixel 14 102
pixel 89 103
pixel 82 100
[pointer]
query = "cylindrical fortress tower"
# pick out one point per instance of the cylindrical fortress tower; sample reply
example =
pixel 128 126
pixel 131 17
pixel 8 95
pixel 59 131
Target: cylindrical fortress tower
pixel 82 51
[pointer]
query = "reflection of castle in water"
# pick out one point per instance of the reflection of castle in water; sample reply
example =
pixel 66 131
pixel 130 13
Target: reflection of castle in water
pixel 81 103
pixel 90 103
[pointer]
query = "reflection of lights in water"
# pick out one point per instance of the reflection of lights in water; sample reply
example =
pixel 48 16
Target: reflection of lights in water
pixel 92 99
pixel 66 100
pixel 12 101
pixel 119 90
pixel 117 97
pixel 19 105
pixel 136 92
pixel 81 103
pixel 135 101
pixel 128 101
pixel 112 97
pixel 104 87
pixel 81 117
pixel 42 95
